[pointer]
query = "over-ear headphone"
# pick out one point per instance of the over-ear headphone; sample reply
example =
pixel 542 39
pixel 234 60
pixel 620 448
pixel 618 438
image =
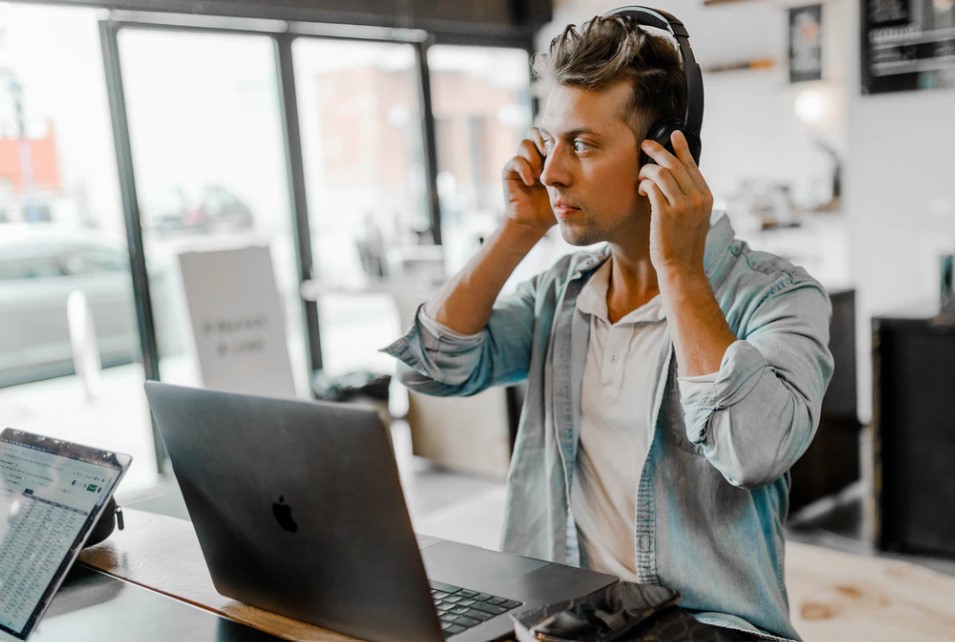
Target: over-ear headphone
pixel 692 121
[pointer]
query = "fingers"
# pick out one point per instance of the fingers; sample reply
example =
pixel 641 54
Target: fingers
pixel 682 149
pixel 649 189
pixel 671 164
pixel 677 177
pixel 534 135
pixel 531 152
pixel 665 182
pixel 524 170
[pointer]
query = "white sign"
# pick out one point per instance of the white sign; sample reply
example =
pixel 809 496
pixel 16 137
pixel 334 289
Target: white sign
pixel 238 321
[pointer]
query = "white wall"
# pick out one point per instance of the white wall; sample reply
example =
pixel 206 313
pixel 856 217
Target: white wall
pixel 902 194
pixel 750 130
pixel 899 176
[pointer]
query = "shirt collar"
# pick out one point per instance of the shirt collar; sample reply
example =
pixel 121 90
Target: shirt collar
pixel 593 295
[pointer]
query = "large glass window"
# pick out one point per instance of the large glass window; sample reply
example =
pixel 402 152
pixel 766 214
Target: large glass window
pixel 482 110
pixel 366 184
pixel 209 165
pixel 63 256
pixel 205 128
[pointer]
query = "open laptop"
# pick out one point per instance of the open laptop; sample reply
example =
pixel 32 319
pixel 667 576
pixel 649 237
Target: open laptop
pixel 52 492
pixel 298 509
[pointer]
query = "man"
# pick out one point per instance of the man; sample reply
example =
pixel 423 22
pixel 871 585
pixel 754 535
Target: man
pixel 673 376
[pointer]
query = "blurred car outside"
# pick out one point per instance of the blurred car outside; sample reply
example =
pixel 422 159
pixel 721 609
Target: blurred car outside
pixel 40 265
pixel 213 209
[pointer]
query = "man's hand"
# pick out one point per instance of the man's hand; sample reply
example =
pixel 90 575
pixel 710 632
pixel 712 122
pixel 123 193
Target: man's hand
pixel 465 302
pixel 526 201
pixel 679 221
pixel 681 203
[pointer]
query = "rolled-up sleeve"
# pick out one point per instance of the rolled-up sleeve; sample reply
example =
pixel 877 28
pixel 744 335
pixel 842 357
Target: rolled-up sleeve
pixel 436 361
pixel 761 412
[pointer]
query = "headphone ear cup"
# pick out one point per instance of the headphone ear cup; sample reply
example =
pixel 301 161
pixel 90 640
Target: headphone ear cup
pixel 660 132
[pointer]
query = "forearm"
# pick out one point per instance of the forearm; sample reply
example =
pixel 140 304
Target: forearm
pixel 465 302
pixel 697 325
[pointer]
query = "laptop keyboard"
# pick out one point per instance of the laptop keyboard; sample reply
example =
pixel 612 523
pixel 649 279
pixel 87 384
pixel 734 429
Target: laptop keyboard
pixel 459 609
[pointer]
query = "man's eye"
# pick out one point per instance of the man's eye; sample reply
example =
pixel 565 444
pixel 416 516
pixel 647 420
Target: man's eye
pixel 580 146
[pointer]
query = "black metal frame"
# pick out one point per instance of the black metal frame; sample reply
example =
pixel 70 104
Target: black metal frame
pixel 283 35
pixel 295 170
pixel 142 299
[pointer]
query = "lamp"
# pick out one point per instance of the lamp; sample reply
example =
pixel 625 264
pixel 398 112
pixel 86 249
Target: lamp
pixel 820 108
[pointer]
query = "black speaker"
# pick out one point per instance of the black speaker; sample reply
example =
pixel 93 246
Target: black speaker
pixel 914 434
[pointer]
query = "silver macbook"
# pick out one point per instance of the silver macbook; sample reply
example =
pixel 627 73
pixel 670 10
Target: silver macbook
pixel 298 509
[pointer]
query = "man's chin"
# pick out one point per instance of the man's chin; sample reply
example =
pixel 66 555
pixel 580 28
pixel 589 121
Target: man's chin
pixel 578 234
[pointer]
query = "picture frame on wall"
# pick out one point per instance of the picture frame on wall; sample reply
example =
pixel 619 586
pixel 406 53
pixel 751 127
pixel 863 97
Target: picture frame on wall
pixel 805 43
pixel 907 45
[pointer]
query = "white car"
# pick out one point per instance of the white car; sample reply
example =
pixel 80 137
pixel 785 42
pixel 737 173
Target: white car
pixel 39 267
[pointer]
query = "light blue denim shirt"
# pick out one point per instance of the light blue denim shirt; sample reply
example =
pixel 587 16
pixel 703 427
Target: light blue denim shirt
pixel 714 489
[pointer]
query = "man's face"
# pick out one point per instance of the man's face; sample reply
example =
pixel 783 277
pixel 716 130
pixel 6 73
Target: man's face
pixel 592 163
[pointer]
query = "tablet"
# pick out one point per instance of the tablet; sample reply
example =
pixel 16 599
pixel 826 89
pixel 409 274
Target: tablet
pixel 51 494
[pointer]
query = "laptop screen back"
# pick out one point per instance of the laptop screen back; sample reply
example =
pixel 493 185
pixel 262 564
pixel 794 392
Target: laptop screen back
pixel 298 509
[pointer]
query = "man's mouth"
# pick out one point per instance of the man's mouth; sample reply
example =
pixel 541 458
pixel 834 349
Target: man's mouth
pixel 564 209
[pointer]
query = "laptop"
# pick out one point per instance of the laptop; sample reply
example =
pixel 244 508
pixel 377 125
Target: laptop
pixel 298 509
pixel 52 492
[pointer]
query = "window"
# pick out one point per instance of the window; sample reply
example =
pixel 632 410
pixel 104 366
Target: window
pixel 62 234
pixel 205 130
pixel 482 107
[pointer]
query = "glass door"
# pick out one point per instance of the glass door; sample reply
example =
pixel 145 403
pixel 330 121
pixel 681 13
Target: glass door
pixel 482 110
pixel 69 344
pixel 205 128
pixel 362 142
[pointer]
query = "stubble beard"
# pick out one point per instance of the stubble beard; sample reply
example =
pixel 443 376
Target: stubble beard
pixel 581 233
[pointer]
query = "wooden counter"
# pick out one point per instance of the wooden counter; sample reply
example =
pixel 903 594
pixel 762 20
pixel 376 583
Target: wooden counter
pixel 834 596
pixel 162 553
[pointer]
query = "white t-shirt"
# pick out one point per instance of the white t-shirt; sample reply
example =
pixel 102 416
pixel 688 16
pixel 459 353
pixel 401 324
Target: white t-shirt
pixel 621 376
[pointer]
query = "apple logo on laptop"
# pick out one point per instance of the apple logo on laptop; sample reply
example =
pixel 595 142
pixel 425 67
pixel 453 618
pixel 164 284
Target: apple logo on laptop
pixel 283 515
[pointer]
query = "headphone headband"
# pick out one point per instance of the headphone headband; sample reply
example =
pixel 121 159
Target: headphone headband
pixel 693 118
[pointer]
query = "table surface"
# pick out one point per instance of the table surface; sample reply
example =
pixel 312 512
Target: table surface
pixel 162 553
pixel 833 595
pixel 91 606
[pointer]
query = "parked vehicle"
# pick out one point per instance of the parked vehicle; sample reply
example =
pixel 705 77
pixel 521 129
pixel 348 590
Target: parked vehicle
pixel 39 267
pixel 214 208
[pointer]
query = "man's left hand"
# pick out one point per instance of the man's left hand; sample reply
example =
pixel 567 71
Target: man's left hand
pixel 681 204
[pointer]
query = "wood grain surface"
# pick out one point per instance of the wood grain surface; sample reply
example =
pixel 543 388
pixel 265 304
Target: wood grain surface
pixel 834 596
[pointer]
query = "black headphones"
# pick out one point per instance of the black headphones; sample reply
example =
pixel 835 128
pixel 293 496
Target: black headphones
pixel 692 121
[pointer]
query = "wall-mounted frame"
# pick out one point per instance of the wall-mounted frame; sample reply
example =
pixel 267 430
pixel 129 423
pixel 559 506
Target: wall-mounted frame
pixel 805 43
pixel 907 45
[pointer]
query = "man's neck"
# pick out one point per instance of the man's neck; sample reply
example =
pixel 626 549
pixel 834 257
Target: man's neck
pixel 633 281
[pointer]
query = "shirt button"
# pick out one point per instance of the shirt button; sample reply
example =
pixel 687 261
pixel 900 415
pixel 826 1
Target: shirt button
pixel 613 358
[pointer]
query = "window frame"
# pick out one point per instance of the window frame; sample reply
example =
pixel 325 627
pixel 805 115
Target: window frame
pixel 283 34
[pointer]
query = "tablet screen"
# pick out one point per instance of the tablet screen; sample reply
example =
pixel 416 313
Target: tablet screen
pixel 51 494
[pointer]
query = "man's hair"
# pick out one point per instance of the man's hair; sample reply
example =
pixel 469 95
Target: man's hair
pixel 607 49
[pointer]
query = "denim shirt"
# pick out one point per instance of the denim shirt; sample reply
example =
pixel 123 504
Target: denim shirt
pixel 714 490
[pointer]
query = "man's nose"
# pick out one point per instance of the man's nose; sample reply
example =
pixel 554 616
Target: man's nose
pixel 555 172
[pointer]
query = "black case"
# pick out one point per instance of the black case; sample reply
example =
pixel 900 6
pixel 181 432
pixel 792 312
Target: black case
pixel 914 434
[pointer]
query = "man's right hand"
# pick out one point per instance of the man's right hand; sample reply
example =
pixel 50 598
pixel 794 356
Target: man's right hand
pixel 464 304
pixel 525 198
